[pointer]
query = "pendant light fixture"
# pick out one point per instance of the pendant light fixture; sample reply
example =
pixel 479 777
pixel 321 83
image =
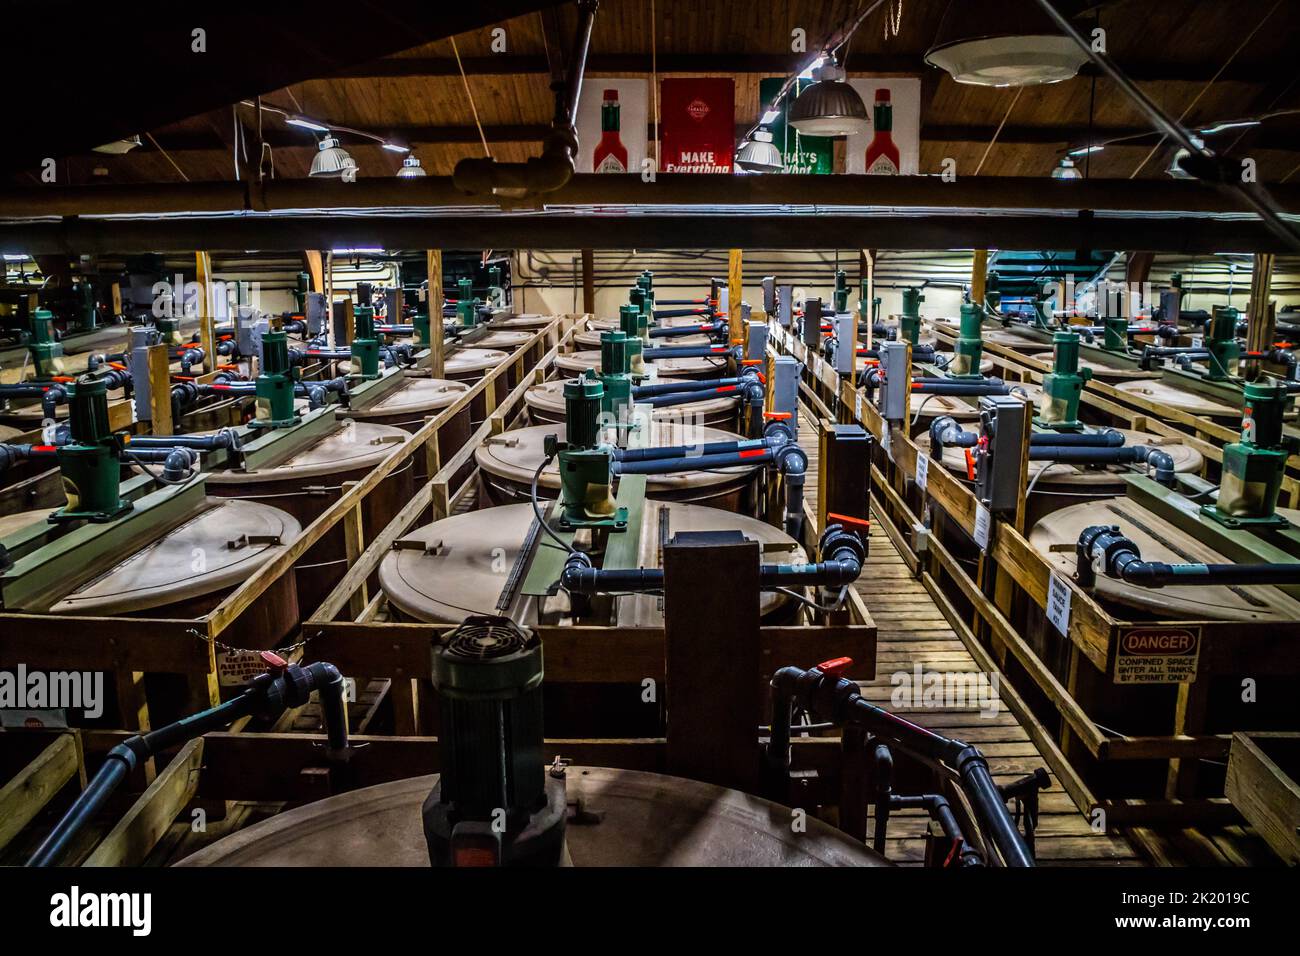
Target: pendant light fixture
pixel 331 159
pixel 411 169
pixel 830 107
pixel 1067 169
pixel 759 154
pixel 1003 43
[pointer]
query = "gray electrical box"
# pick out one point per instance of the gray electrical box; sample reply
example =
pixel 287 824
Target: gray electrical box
pixel 757 348
pixel 315 317
pixel 785 389
pixel 811 330
pixel 785 305
pixel 769 294
pixel 845 327
pixel 897 381
pixel 1003 421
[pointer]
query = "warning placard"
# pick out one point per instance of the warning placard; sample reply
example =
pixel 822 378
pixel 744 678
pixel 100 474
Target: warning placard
pixel 1157 654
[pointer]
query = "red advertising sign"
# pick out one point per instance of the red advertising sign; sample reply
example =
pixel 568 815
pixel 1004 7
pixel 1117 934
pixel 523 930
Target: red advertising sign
pixel 698 123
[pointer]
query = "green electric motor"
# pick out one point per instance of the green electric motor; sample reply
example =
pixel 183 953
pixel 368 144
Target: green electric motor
pixel 910 321
pixel 90 462
pixel 88 320
pixel 993 292
pixel 466 304
pixel 634 324
pixel 969 347
pixel 615 374
pixel 300 293
pixel 586 468
pixel 840 298
pixel 642 299
pixel 275 383
pixel 1115 333
pixel 1063 385
pixel 1221 343
pixel 646 280
pixel 46 351
pixel 365 344
pixel 422 334
pixel 1254 465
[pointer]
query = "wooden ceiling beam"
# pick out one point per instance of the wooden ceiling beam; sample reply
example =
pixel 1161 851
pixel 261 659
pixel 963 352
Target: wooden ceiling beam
pixel 765 63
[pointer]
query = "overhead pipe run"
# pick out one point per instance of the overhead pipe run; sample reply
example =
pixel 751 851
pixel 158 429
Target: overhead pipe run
pixel 555 167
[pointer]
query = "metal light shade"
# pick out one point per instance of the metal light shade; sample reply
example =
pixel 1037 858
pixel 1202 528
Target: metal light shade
pixel 759 155
pixel 119 146
pixel 1067 170
pixel 331 159
pixel 1003 43
pixel 830 107
pixel 411 169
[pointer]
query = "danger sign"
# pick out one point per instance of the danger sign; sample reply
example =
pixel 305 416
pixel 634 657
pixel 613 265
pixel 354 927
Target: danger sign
pixel 1157 655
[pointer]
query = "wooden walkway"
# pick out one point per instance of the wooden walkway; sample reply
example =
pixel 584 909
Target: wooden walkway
pixel 912 630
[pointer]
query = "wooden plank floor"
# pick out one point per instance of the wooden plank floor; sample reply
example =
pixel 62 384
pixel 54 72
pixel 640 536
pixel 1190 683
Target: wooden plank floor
pixel 912 631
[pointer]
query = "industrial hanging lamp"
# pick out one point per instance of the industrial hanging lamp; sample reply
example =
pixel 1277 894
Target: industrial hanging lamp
pixel 411 169
pixel 759 154
pixel 1067 169
pixel 1003 43
pixel 331 159
pixel 830 107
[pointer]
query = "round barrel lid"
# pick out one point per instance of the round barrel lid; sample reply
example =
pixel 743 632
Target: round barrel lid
pixel 1163 393
pixel 1186 459
pixel 646 819
pixel 515 455
pixel 1158 540
pixel 465 361
pixel 1100 370
pixel 9 434
pixel 418 395
pixel 464 574
pixel 504 339
pixel 1012 339
pixel 524 320
pixel 578 362
pixel 986 364
pixel 673 322
pixel 351 446
pixel 591 339
pixel 549 397
pixel 216 548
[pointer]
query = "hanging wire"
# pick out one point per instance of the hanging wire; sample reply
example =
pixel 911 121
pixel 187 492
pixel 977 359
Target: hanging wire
pixel 473 108
pixel 997 132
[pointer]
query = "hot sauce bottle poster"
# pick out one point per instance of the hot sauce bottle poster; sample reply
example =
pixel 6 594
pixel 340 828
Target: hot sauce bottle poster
pixel 698 123
pixel 612 119
pixel 891 145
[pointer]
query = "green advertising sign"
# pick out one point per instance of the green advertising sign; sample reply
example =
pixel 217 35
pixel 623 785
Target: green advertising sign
pixel 802 154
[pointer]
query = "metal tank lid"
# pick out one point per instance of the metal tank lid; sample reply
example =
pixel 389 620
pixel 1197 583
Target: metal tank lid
pixel 219 546
pixel 350 446
pixel 464 361
pixel 415 396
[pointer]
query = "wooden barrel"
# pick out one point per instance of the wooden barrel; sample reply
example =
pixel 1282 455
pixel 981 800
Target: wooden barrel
pixel 470 365
pixel 646 819
pixel 575 363
pixel 546 404
pixel 1169 395
pixel 1057 485
pixel 1101 371
pixel 409 406
pixel 508 461
pixel 310 480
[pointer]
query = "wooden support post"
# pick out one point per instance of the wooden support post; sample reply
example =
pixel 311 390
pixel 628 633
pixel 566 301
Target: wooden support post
pixel 433 259
pixel 1189 720
pixel 712 653
pixel 160 389
pixel 868 266
pixel 1261 323
pixel 735 287
pixel 588 281
pixel 315 269
pixel 354 542
pixel 979 273
pixel 207 324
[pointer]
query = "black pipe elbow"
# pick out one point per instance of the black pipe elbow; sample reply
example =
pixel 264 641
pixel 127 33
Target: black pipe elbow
pixel 54 396
pixel 11 455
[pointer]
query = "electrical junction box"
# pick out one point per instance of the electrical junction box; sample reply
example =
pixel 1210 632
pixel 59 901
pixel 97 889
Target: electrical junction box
pixel 785 389
pixel 769 294
pixel 756 333
pixel 785 305
pixel 1003 422
pixel 845 327
pixel 897 383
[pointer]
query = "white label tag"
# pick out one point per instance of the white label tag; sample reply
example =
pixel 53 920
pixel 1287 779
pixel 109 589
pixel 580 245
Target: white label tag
pixel 886 441
pixel 982 522
pixel 922 469
pixel 1197 341
pixel 1058 603
pixel 857 406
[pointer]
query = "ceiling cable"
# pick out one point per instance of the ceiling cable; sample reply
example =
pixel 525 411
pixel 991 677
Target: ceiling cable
pixel 1253 194
pixel 473 109
pixel 1191 106
pixel 997 132
pixel 167 156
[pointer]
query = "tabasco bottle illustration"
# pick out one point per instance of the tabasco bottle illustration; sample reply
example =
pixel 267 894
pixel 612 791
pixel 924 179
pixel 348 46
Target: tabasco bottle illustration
pixel 610 155
pixel 882 154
